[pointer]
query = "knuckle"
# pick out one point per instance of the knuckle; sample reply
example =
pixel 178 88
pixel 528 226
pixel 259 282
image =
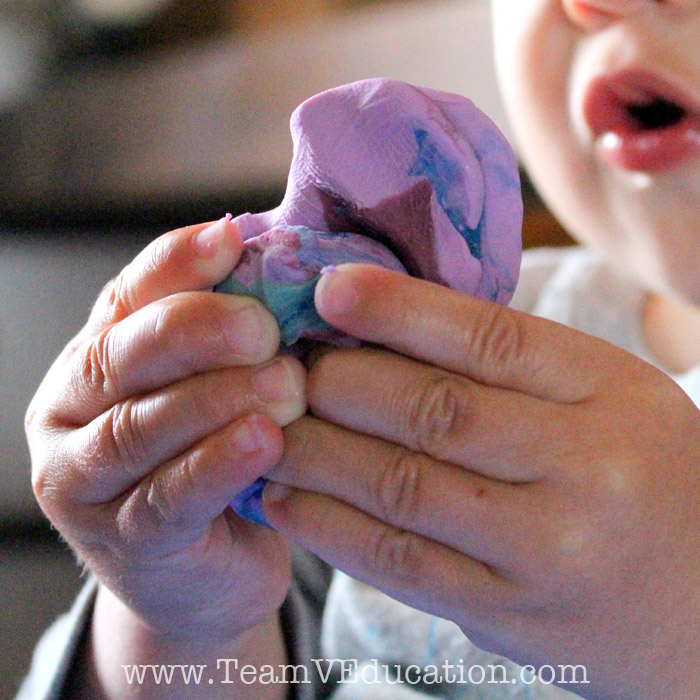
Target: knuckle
pixel 161 499
pixel 158 254
pixel 43 486
pixel 498 341
pixel 31 420
pixel 398 488
pixel 303 441
pixel 175 326
pixel 56 488
pixel 392 552
pixel 167 319
pixel 124 435
pixel 60 469
pixel 206 408
pixel 118 297
pixel 169 490
pixel 50 472
pixel 437 414
pixel 95 367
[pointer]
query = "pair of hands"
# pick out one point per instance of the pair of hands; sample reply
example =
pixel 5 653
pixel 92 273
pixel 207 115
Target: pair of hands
pixel 535 485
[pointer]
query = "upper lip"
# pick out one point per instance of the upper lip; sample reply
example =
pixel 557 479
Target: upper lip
pixel 587 12
pixel 612 101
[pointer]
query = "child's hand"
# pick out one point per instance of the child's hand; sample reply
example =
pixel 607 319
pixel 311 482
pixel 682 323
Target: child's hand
pixel 148 424
pixel 537 486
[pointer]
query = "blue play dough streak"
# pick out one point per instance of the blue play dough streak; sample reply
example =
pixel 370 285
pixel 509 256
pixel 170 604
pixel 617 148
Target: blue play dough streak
pixel 248 503
pixel 443 174
pixel 294 309
pixel 292 305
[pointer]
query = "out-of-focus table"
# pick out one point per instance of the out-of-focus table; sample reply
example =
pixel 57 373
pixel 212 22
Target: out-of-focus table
pixel 211 118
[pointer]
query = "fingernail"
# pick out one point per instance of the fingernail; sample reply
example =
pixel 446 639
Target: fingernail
pixel 210 239
pixel 335 293
pixel 275 382
pixel 249 331
pixel 247 436
pixel 276 492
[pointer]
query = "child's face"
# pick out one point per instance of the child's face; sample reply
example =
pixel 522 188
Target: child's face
pixel 578 84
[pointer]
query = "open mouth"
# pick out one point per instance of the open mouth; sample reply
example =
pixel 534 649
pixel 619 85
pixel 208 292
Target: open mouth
pixel 641 123
pixel 657 114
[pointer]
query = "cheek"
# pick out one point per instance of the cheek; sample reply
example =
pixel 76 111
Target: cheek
pixel 534 50
pixel 535 53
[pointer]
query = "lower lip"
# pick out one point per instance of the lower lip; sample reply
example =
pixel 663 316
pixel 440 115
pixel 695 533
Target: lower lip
pixel 651 151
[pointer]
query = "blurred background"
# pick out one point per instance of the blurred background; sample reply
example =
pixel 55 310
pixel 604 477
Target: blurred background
pixel 121 119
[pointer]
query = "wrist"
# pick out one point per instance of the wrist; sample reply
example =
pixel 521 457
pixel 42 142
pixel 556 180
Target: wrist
pixel 124 653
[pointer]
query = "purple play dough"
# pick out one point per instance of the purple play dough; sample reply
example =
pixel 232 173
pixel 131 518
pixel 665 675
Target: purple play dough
pixel 409 178
pixel 419 170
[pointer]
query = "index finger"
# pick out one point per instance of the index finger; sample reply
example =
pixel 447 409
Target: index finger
pixel 192 258
pixel 488 343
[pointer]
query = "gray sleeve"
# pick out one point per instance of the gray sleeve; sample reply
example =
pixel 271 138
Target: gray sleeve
pixel 301 615
pixel 58 649
pixel 301 622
